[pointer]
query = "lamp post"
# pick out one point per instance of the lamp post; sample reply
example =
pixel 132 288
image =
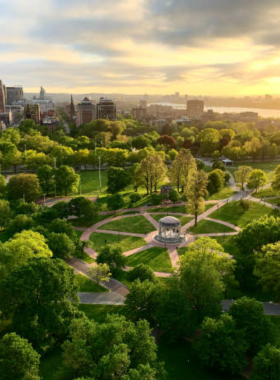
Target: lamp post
pixel 100 184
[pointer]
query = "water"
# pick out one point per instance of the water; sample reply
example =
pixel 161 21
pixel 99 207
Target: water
pixel 261 111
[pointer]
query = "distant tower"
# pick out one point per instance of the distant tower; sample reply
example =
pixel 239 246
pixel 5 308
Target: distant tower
pixel 72 109
pixel 2 98
pixel 42 93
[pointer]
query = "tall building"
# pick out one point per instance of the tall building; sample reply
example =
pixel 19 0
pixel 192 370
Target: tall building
pixel 14 94
pixel 195 109
pixel 106 109
pixel 139 113
pixel 33 112
pixel 2 98
pixel 85 112
pixel 46 105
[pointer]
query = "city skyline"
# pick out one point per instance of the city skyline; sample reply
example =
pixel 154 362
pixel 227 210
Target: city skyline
pixel 211 47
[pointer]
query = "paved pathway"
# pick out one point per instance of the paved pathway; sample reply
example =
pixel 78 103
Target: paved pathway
pixel 101 298
pixel 137 250
pixel 270 308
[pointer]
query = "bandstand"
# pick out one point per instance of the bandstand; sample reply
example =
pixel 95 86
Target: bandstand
pixel 169 231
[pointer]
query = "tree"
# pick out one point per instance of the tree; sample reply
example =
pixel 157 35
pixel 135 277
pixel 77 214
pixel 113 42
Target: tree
pixel 209 139
pixel 196 191
pixel 12 158
pixel 242 175
pixel 37 298
pixel 266 365
pixel 174 196
pixel 181 168
pixel 257 179
pixel 21 247
pixel 168 141
pixel 18 360
pixel 141 272
pixel 151 171
pixel 115 202
pixel 118 179
pixel 115 349
pixel 45 175
pixel 216 181
pixel 113 257
pixel 219 165
pixel 276 179
pixel 249 316
pixel 2 184
pixel 67 180
pixel 24 186
pixel 62 209
pixel 267 268
pixel 19 223
pixel 83 207
pixel 221 345
pixel 142 300
pixel 5 212
pixel 204 273
pixel 134 198
pixel 100 273
pixel 61 245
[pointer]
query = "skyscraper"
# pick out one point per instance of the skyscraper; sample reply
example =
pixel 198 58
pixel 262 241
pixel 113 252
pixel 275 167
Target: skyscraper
pixel 85 112
pixel 106 109
pixel 14 94
pixel 2 98
pixel 195 109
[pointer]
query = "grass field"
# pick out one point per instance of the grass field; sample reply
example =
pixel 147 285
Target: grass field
pixel 226 192
pixel 172 209
pixel 135 224
pixel 99 312
pixel 275 201
pixel 88 286
pixel 183 219
pixel 268 167
pixel 87 222
pixel 229 244
pixel 90 182
pixel 233 213
pixel 265 193
pixel 126 243
pixel 157 258
pixel 208 227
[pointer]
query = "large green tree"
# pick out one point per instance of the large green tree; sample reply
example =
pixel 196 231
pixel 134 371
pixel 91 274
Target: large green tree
pixel 37 298
pixel 257 178
pixel 242 175
pixel 18 360
pixel 113 257
pixel 45 175
pixel 266 364
pixel 249 317
pixel 67 181
pixel 118 179
pixel 5 212
pixel 180 169
pixel 221 346
pixel 115 349
pixel 24 186
pixel 196 191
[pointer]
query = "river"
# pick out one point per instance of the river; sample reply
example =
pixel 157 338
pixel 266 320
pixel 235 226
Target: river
pixel 261 111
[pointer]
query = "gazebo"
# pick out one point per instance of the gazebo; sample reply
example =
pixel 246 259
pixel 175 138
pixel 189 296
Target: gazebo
pixel 169 231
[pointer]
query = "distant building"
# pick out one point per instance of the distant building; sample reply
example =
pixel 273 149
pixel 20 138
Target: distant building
pixel 72 111
pixel 106 109
pixel 159 124
pixel 249 117
pixel 33 112
pixel 17 111
pixel 2 126
pixel 143 103
pixel 139 113
pixel 6 117
pixel 195 109
pixel 14 94
pixel 2 98
pixel 165 191
pixel 46 105
pixel 85 112
pixel 51 123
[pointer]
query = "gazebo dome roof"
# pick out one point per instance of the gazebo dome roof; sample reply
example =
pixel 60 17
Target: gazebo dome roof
pixel 170 221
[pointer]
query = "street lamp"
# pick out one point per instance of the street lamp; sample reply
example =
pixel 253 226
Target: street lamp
pixel 100 185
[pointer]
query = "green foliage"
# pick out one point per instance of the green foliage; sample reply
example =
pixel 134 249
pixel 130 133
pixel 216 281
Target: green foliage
pixel 113 257
pixel 61 245
pixel 245 204
pixel 267 268
pixel 221 345
pixel 156 199
pixel 242 175
pixel 196 191
pixel 257 178
pixel 118 179
pixel 19 223
pixel 5 212
pixel 40 310
pixel 115 202
pixel 266 365
pixel 115 349
pixel 134 198
pixel 216 181
pixel 24 186
pixel 249 317
pixel 66 180
pixel 141 272
pixel 174 196
pixel 45 175
pixel 18 360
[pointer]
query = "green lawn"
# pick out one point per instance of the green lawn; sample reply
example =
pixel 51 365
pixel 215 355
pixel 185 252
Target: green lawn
pixel 126 243
pixel 275 201
pixel 99 312
pixel 135 224
pixel 87 285
pixel 157 258
pixel 87 222
pixel 226 192
pixel 169 209
pixel 265 193
pixel 233 213
pixel 183 219
pixel 268 167
pixel 229 244
pixel 52 367
pixel 208 227
pixel 90 182
pixel 181 364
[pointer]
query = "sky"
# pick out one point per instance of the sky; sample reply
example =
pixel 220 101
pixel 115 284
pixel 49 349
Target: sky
pixel 198 47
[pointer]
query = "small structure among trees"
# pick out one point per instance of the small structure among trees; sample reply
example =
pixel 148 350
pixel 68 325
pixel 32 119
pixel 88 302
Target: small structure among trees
pixel 169 231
